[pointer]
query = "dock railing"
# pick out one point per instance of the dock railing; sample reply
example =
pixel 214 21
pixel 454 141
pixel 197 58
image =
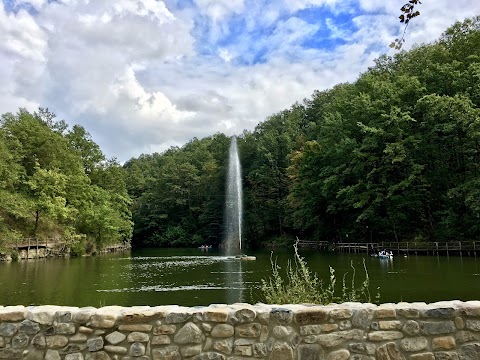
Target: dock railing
pixel 469 248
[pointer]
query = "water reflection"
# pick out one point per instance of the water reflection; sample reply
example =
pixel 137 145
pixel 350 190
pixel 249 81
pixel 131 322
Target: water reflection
pixel 234 281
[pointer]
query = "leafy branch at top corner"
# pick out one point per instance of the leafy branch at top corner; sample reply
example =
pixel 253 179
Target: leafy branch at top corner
pixel 408 12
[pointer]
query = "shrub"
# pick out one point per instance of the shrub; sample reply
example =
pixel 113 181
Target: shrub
pixel 304 286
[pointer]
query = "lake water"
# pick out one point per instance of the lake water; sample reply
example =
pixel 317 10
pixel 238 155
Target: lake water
pixel 191 277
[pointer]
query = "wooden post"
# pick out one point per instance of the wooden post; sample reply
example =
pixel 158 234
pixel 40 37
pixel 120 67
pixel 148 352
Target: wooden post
pixel 474 251
pixel 28 249
pixel 407 249
pixel 398 248
pixel 460 247
pixel 37 249
pixel 446 244
pixel 436 245
pixel 415 248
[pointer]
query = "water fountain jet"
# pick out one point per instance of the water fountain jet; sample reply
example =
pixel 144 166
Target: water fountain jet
pixel 232 243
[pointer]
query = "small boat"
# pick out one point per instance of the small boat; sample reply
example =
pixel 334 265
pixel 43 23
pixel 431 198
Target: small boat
pixel 205 247
pixel 385 254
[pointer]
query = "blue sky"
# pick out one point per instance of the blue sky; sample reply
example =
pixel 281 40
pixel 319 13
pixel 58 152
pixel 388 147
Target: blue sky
pixel 144 75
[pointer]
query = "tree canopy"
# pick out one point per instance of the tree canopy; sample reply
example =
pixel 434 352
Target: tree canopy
pixel 55 182
pixel 392 156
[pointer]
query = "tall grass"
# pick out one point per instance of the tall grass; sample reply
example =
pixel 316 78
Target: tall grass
pixel 301 285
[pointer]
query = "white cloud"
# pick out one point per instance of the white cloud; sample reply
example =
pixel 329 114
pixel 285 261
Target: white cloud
pixel 145 75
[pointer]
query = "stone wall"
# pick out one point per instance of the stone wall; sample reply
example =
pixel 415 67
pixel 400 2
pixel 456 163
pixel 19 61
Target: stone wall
pixel 447 330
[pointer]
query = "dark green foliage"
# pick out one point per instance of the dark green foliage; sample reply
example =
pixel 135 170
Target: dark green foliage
pixel 393 156
pixel 56 183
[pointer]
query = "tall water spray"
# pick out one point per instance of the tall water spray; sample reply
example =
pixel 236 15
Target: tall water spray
pixel 234 203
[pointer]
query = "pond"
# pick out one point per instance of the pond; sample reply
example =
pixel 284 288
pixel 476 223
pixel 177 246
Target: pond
pixel 191 277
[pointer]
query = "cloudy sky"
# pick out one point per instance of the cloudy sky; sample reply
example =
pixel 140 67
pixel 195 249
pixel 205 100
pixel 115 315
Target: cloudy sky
pixel 144 75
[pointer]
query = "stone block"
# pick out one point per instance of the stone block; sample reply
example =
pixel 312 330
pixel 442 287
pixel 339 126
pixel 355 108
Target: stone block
pixel 411 327
pixel 259 350
pixel 10 353
pixel 99 355
pixel 389 351
pixel 43 315
pixel 223 330
pixel 383 313
pixel 161 340
pixel 245 315
pixel 85 330
pixel 56 341
pixel 39 341
pixel 470 351
pixel 224 346
pixel 138 337
pixel 248 330
pixel 362 318
pixel 422 356
pixel 337 338
pixel 137 349
pixel 446 355
pixel 34 355
pixel 104 320
pixel 443 343
pixel 363 348
pixel 409 313
pixel 385 335
pixel 78 338
pixel 310 352
pixel 463 336
pixel 190 350
pixel 341 314
pixel 459 323
pixel 282 332
pixel 311 316
pixel 65 329
pixel 414 343
pixel 12 313
pixel 63 316
pixel 29 327
pixel 115 337
pixel 164 329
pixel 243 350
pixel 167 353
pixel 7 329
pixel 189 334
pixel 281 316
pixel 73 348
pixel 439 313
pixel 216 315
pixel 436 328
pixel 139 314
pixel 390 325
pixel 83 316
pixel 207 356
pixel 470 311
pixel 52 355
pixel 95 344
pixel 177 318
pixel 341 354
pixel 74 356
pixel 281 351
pixel 473 325
pixel 115 349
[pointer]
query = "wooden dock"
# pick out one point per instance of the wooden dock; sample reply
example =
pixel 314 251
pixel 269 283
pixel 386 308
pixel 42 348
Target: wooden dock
pixel 458 248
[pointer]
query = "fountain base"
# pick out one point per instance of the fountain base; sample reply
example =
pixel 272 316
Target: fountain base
pixel 246 257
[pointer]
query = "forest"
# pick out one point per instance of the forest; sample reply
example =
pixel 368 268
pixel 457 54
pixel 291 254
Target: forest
pixel 393 156
pixel 55 183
